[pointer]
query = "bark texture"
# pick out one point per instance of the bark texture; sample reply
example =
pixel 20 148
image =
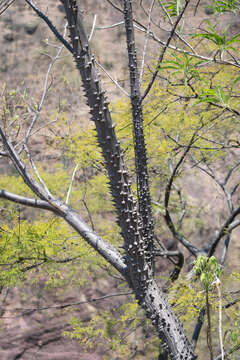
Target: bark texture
pixel 136 224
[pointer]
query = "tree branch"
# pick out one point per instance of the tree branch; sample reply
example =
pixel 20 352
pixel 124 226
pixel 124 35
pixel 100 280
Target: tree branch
pixel 141 27
pixel 5 5
pixel 225 229
pixel 36 203
pixel 144 199
pixel 193 249
pixel 160 59
pixel 61 209
pixel 117 173
pixel 50 25
pixel 63 306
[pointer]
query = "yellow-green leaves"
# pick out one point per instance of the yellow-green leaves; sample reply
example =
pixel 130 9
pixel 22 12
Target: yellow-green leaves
pixel 208 269
pixel 221 41
pixel 27 246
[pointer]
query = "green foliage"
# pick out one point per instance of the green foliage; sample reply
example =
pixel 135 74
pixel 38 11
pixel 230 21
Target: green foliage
pixel 81 145
pixel 26 246
pixel 188 298
pixel 221 41
pixel 184 65
pixel 173 8
pixel 191 101
pixel 107 329
pixel 115 331
pixel 222 6
pixel 208 269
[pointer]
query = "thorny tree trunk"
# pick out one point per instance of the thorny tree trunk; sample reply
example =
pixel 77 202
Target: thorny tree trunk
pixel 135 220
pixel 134 217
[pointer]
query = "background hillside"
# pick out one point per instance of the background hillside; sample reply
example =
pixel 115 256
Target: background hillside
pixel 26 46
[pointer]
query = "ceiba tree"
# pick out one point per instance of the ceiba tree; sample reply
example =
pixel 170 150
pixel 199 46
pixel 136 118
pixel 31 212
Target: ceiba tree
pixel 134 212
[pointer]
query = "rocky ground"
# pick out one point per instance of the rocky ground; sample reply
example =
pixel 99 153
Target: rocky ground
pixel 24 54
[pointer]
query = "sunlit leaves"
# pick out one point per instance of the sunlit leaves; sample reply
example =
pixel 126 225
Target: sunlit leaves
pixel 50 243
pixel 172 7
pixel 188 298
pixel 218 95
pixel 208 269
pixel 184 65
pixel 115 331
pixel 221 6
pixel 221 41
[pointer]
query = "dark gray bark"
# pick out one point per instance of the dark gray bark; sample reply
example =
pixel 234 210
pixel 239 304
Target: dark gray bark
pixel 144 199
pixel 138 259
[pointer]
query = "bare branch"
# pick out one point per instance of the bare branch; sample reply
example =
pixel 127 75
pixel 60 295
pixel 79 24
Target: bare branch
pixel 222 184
pixel 183 206
pixel 21 168
pixel 193 249
pixel 5 5
pixel 233 225
pixel 198 327
pixel 178 266
pixel 225 229
pixel 37 173
pixel 50 25
pixel 93 28
pixel 225 249
pixel 111 78
pixel 160 59
pixel 146 41
pixel 36 203
pixel 71 184
pixel 110 26
pixel 44 93
pixel 233 168
pixel 231 303
pixel 25 311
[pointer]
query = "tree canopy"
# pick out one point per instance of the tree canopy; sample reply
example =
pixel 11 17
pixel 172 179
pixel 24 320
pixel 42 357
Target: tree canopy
pixel 143 191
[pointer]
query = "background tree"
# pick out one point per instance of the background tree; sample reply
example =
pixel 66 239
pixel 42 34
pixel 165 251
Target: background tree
pixel 189 78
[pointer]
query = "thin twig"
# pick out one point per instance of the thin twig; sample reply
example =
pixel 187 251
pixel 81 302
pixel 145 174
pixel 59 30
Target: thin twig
pixel 93 28
pixel 50 25
pixel 139 26
pixel 63 306
pixel 5 6
pixel 146 41
pixel 44 93
pixel 36 172
pixel 71 184
pixel 160 59
pixel 225 229
pixel 193 249
pixel 89 214
pixel 111 78
pixel 218 286
pixel 110 26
